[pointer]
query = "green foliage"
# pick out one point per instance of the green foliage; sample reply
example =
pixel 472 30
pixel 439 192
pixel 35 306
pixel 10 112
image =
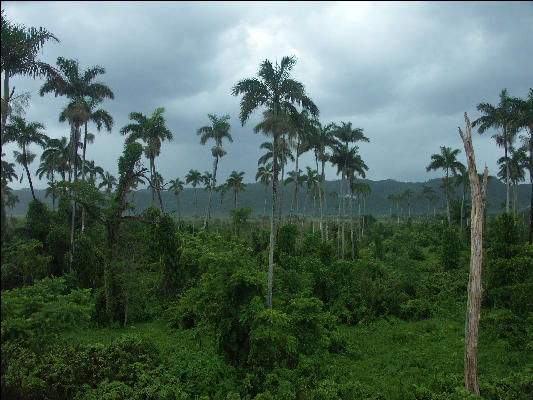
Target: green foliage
pixel 23 263
pixel 88 262
pixel 58 245
pixel 450 249
pixel 286 239
pixel 503 236
pixel 240 216
pixel 36 314
pixel 38 220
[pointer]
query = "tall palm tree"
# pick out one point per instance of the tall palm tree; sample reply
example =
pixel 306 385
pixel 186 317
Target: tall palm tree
pixel 20 48
pixel 312 182
pixel 501 117
pixel 56 153
pixel 463 179
pixel 176 187
pixel 151 131
pixel 47 168
pixel 517 163
pixel 303 130
pixel 93 170
pixel 298 179
pixel 218 131
pixel 194 177
pixel 25 134
pixel 108 181
pixel 524 120
pixel 264 175
pixel 447 161
pixel 276 91
pixel 427 193
pixel 235 182
pixel 408 194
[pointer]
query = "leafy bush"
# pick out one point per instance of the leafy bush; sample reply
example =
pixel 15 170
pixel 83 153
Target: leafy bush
pixel 36 314
pixel 450 249
pixel 23 263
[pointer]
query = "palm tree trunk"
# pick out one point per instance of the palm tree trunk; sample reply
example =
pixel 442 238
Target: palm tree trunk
pixel 515 192
pixel 5 109
pixel 462 208
pixel 208 209
pixel 195 207
pixel 507 172
pixel 339 218
pixel 531 182
pixel 83 177
pixel 313 213
pixel 264 209
pixel 273 216
pixel 295 196
pixel 359 208
pixel 320 194
pixel 351 225
pixel 447 200
pixel 74 154
pixel 280 197
pixel 29 176
pixel 53 195
pixel 152 173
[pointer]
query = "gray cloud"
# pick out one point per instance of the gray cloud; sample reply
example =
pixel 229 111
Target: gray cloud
pixel 404 72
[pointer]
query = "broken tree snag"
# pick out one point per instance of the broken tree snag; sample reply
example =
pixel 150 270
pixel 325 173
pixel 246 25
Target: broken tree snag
pixel 473 308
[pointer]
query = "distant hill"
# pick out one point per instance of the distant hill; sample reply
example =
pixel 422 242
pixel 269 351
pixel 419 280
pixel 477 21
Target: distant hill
pixel 254 196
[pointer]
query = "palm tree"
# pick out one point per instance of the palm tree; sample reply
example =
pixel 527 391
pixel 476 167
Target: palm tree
pixel 264 175
pixel 446 160
pixel 47 168
pixel 194 177
pixel 176 187
pixel 516 165
pixel 20 47
pixel 303 129
pixel 93 170
pixel 235 182
pixel 408 194
pixel 56 153
pixel 348 163
pixel 503 116
pixel 283 155
pixel 312 182
pixel 298 179
pixel 25 134
pixel 427 193
pixel 278 93
pixel 463 179
pixel 524 119
pixel 218 130
pixel 151 131
pixel 108 181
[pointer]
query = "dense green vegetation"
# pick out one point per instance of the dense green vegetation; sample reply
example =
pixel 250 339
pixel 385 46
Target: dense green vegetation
pixel 105 300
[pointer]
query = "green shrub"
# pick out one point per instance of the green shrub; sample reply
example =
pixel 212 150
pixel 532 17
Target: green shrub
pixel 36 314
pixel 450 249
pixel 23 263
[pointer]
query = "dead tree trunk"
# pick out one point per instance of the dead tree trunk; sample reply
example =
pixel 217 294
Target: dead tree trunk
pixel 473 309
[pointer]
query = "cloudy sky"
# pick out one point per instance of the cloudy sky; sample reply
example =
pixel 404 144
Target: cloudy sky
pixel 404 72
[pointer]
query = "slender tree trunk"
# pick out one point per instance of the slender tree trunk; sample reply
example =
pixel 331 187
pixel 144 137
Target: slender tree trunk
pixel 515 192
pixel 27 170
pixel 447 200
pixel 398 213
pixel 5 109
pixel 214 182
pixel 295 196
pixel 476 258
pixel 359 214
pixel 195 207
pixel 53 196
pixel 272 218
pixel 339 218
pixel 314 213
pixel 281 197
pixel 83 177
pixel 462 208
pixel 321 194
pixel 74 154
pixel 264 209
pixel 507 172
pixel 351 225
pixel 531 182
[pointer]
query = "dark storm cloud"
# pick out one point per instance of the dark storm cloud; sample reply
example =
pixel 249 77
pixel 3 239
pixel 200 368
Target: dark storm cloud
pixel 404 72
